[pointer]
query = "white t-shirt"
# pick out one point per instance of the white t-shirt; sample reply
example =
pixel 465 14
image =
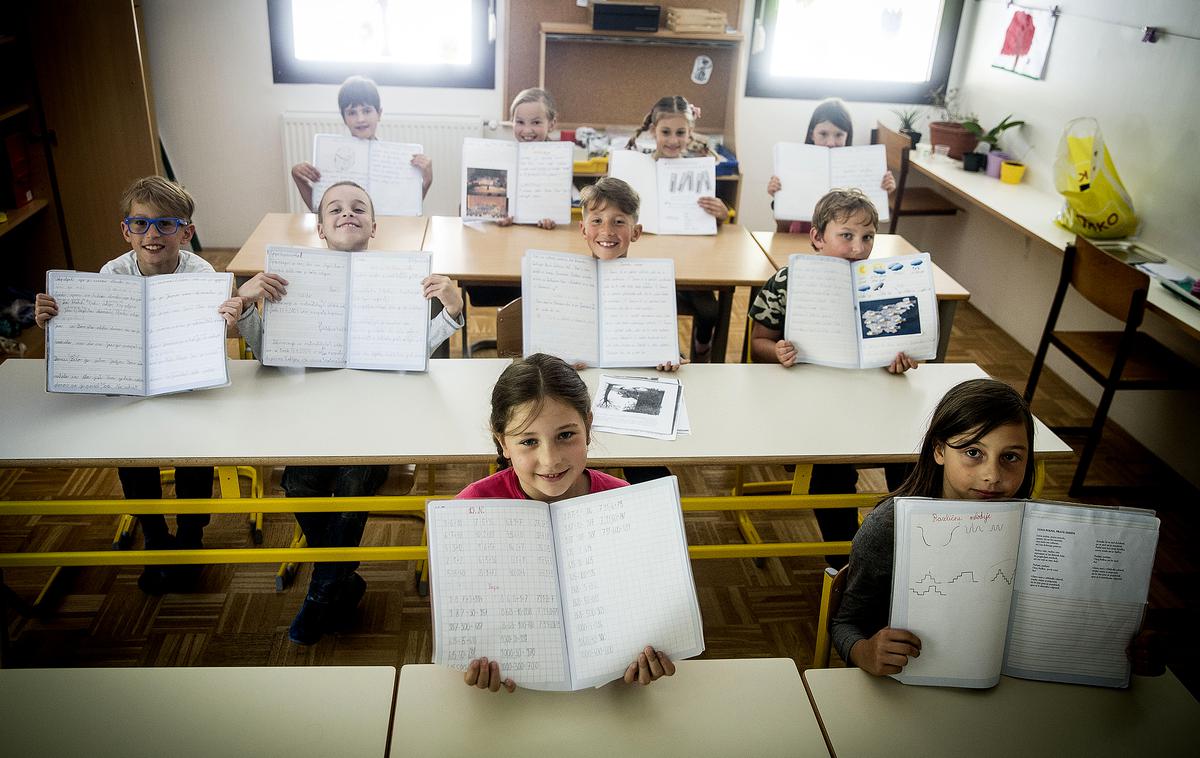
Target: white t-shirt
pixel 189 263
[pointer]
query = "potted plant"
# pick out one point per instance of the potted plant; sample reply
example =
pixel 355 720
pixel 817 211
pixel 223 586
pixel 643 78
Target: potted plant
pixel 949 130
pixel 991 136
pixel 908 122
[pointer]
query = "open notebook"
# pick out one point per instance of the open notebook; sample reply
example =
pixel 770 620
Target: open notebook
pixel 563 595
pixel 383 169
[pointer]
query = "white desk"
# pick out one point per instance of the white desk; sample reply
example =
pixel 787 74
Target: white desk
pixel 1031 212
pixel 864 715
pixel 290 712
pixel 741 413
pixel 751 707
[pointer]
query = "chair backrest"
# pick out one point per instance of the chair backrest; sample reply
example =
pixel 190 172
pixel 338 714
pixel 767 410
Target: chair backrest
pixel 833 584
pixel 1114 287
pixel 897 147
pixel 510 338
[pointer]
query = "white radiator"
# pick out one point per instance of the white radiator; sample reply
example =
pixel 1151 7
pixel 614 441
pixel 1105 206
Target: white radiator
pixel 441 136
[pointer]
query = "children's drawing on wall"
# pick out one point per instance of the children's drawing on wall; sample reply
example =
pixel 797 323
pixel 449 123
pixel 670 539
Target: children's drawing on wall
pixel 487 193
pixel 647 401
pixel 1026 42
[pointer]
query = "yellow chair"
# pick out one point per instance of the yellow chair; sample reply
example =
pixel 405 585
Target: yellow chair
pixel 833 584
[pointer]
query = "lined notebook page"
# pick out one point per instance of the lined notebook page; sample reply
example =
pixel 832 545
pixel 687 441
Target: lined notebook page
pixel 544 172
pixel 637 312
pixel 495 590
pixel 396 184
pixel 185 335
pixel 340 159
pixel 95 343
pixel 820 311
pixel 389 315
pixel 863 168
pixel 558 306
pixel 626 579
pixel 308 326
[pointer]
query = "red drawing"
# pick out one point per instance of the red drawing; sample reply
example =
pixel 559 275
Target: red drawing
pixel 1019 36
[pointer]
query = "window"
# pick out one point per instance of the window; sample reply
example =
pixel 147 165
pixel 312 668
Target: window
pixel 416 43
pixel 880 50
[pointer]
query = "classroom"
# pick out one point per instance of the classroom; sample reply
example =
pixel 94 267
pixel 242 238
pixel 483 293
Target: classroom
pixel 176 577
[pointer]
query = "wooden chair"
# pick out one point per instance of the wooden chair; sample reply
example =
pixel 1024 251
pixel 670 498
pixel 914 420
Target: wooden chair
pixel 510 337
pixel 1118 360
pixel 833 584
pixel 907 201
pixel 484 296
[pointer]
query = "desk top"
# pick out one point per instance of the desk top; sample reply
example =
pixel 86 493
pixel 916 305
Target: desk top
pixel 398 233
pixel 482 252
pixel 297 711
pixel 753 706
pixel 865 715
pixel 779 245
pixel 339 416
pixel 1031 211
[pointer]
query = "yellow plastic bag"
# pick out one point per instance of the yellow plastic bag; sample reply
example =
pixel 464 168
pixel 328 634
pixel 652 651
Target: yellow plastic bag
pixel 1096 203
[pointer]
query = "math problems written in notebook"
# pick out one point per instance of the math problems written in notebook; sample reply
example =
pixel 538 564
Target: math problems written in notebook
pixel 563 595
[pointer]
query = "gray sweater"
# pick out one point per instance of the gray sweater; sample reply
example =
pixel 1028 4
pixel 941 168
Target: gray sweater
pixel 866 601
pixel 250 326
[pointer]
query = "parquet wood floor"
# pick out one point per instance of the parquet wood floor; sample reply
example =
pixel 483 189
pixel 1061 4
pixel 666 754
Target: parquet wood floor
pixel 98 617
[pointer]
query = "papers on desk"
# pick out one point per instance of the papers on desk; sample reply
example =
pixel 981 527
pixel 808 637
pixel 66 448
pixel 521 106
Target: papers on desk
pixel 529 181
pixel 347 310
pixel 136 335
pixel 618 313
pixel 640 407
pixel 807 172
pixel 383 169
pixel 563 595
pixel 1030 589
pixel 860 314
pixel 670 189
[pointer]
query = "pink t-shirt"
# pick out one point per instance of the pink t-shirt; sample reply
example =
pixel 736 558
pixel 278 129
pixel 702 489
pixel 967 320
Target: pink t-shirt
pixel 504 485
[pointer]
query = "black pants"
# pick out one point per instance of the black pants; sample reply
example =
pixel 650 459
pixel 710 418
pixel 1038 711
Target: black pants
pixel 143 483
pixel 340 529
pixel 838 524
pixel 702 304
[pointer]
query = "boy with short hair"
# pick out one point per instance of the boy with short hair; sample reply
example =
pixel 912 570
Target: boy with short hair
pixel 358 102
pixel 346 221
pixel 157 222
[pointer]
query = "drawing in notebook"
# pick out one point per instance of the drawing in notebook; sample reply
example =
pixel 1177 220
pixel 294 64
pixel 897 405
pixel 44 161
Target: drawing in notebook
pixel 347 310
pixel 860 314
pixel 563 595
pixel 136 335
pixel 638 406
pixel 1024 588
pixel 669 189
pixel 383 169
pixel 808 172
pixel 618 313
pixel 529 181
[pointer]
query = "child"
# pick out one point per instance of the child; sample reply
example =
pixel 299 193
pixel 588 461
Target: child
pixel 534 116
pixel 346 221
pixel 978 447
pixel 358 102
pixel 830 126
pixel 157 221
pixel 672 119
pixel 843 226
pixel 541 421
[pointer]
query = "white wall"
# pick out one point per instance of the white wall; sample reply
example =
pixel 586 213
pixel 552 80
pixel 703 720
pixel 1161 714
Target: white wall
pixel 219 110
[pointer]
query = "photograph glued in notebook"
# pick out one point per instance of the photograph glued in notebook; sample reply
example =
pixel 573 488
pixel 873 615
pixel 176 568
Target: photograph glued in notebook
pixel 383 169
pixel 136 335
pixel 610 314
pixel 529 181
pixel 669 190
pixel 860 314
pixel 1024 588
pixel 807 172
pixel 347 310
pixel 563 595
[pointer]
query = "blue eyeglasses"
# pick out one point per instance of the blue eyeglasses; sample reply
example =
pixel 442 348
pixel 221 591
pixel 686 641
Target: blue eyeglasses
pixel 165 224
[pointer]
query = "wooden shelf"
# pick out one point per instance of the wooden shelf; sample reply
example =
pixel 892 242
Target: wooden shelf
pixel 585 33
pixel 18 216
pixel 12 110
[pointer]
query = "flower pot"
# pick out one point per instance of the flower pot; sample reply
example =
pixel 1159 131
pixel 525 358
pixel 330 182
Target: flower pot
pixel 1011 172
pixel 954 136
pixel 913 136
pixel 974 161
pixel 994 159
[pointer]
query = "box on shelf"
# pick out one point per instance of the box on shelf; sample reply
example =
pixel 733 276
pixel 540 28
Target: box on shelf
pixel 696 20
pixel 625 17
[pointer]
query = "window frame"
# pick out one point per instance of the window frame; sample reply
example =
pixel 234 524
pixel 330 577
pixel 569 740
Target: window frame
pixel 760 82
pixel 287 69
